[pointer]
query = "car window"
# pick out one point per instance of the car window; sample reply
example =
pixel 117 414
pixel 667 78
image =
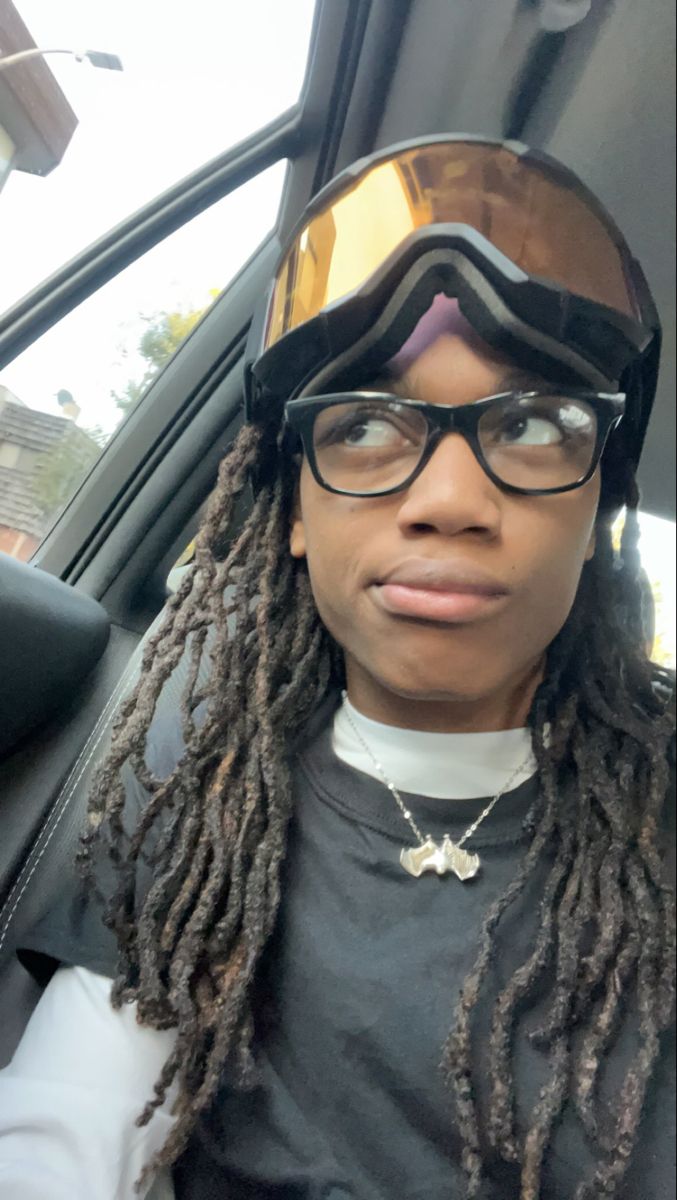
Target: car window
pixel 196 80
pixel 194 83
pixel 657 553
pixel 63 398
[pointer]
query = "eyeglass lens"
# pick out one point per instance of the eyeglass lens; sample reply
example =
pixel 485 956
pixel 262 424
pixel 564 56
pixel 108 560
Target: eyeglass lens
pixel 534 442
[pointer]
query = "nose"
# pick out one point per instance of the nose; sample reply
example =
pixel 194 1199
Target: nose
pixel 452 494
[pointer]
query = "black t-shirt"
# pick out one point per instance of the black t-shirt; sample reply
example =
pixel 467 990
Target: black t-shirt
pixel 362 977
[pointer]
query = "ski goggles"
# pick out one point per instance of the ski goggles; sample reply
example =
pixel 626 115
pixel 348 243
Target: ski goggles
pixel 533 258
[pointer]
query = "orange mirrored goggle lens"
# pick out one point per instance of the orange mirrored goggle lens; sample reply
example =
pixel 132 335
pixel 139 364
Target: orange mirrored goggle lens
pixel 536 220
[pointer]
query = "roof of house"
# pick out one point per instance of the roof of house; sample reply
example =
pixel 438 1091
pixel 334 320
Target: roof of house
pixel 27 427
pixel 5 394
pixel 18 509
pixel 38 431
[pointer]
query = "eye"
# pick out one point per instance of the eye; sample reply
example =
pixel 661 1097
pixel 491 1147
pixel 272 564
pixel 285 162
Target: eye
pixel 372 432
pixel 540 423
pixel 525 429
pixel 364 429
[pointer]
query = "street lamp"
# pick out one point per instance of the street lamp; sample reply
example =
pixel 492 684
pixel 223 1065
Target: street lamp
pixel 98 58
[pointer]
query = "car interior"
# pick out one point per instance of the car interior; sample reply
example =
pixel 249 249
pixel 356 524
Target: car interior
pixel 587 82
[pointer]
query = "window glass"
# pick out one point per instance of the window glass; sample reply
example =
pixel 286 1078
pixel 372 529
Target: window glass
pixel 196 79
pixel 657 552
pixel 61 400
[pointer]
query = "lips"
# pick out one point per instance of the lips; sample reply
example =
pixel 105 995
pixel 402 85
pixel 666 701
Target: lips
pixel 450 592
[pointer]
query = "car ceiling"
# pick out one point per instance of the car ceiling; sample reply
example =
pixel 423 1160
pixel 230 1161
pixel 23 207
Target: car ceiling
pixel 605 108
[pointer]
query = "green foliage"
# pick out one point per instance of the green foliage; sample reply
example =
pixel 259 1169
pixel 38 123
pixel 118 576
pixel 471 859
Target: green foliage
pixel 163 335
pixel 63 469
pixel 663 650
pixel 61 472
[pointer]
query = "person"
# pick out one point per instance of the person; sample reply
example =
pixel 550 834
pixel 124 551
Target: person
pixel 382 836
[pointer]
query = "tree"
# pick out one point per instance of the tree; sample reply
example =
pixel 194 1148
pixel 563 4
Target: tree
pixel 63 468
pixel 164 333
pixel 662 650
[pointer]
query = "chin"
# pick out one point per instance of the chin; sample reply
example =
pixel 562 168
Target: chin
pixel 414 682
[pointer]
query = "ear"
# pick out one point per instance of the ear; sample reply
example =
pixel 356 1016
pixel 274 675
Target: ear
pixel 297 533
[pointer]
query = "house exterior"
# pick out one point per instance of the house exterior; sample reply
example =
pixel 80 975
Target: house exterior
pixel 31 443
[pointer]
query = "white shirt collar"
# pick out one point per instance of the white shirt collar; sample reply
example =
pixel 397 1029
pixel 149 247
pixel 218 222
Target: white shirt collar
pixel 460 766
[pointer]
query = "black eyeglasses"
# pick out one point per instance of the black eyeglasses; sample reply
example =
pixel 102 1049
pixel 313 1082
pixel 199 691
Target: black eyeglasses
pixel 533 443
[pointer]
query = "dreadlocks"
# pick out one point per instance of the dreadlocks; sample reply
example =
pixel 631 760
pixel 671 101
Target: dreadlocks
pixel 214 833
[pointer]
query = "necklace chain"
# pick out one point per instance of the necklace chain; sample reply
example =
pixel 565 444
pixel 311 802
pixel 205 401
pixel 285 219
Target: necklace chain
pixel 400 802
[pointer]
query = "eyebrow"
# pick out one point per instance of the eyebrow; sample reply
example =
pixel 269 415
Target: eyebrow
pixel 526 380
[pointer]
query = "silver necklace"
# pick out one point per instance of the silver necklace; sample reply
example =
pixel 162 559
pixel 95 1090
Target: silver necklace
pixel 445 856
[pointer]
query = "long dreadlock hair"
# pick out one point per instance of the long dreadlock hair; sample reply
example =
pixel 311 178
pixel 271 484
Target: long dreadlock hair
pixel 214 833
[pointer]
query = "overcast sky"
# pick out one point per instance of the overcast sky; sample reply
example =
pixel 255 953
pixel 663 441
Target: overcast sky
pixel 197 78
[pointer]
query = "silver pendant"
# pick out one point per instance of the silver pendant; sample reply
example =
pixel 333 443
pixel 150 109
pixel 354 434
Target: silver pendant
pixel 441 857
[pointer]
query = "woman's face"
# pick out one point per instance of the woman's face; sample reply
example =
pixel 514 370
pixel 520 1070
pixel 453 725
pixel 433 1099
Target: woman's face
pixel 432 659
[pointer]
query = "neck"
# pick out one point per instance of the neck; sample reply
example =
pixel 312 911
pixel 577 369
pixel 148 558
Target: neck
pixel 506 708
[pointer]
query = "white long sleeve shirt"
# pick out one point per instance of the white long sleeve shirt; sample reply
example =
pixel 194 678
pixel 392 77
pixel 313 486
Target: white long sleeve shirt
pixel 70 1097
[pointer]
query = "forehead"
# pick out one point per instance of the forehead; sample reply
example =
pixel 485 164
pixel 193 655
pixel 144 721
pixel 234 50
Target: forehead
pixel 455 368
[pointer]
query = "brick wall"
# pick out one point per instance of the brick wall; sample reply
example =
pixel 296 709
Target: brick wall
pixel 17 544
